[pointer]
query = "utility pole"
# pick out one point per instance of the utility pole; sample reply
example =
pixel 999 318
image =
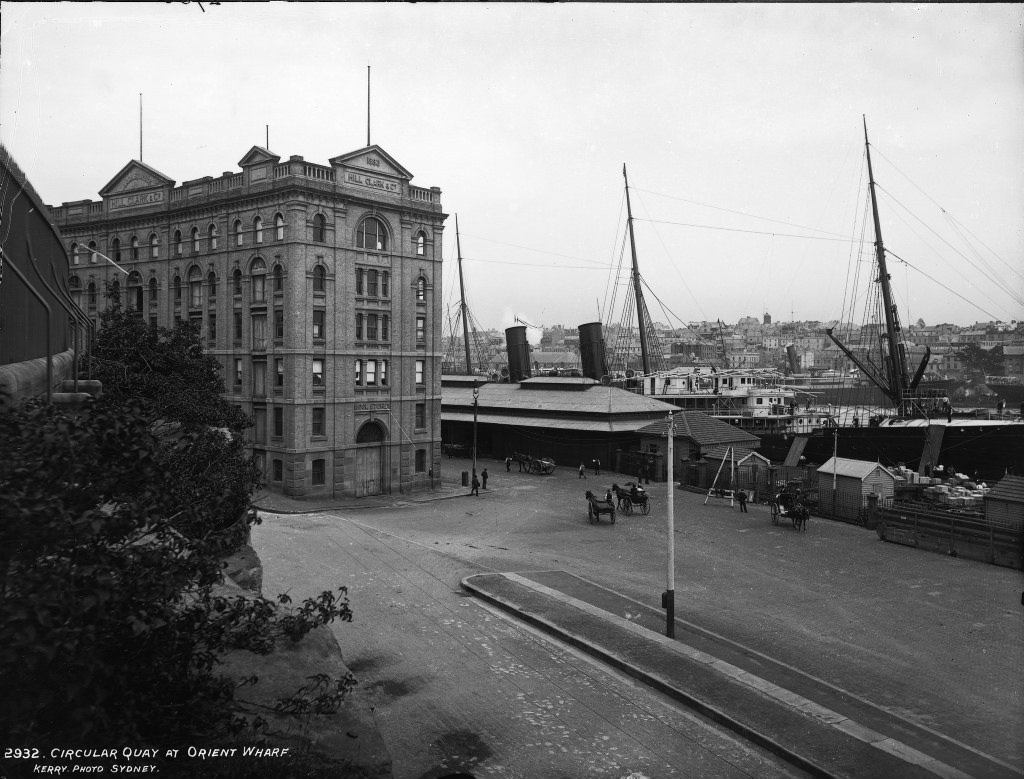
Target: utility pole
pixel 670 592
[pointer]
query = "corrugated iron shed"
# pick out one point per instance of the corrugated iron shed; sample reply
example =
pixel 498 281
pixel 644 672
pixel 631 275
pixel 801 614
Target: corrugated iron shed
pixel 1009 489
pixel 858 469
pixel 702 429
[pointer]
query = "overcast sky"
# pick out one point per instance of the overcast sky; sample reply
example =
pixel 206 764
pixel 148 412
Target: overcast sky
pixel 740 125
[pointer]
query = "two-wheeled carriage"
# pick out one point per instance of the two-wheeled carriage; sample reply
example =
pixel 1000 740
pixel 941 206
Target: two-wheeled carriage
pixel 788 504
pixel 632 496
pixel 596 507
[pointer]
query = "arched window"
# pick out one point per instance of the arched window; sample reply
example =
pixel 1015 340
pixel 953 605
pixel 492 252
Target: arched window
pixel 74 254
pixel 195 240
pixel 278 279
pixel 92 251
pixel 319 278
pixel 115 248
pixel 177 242
pixel 320 228
pixel 257 229
pixel 152 290
pixel 372 235
pixel 177 290
pixel 211 283
pixel 195 287
pixel 421 243
pixel 75 285
pixel 115 291
pixel 135 291
pixel 278 227
pixel 237 277
pixel 421 290
pixel 134 243
pixel 154 246
pixel 211 234
pixel 258 271
pixel 92 294
pixel 238 232
pixel 370 433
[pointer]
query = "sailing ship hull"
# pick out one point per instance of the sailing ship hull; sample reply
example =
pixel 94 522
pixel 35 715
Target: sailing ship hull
pixel 988 448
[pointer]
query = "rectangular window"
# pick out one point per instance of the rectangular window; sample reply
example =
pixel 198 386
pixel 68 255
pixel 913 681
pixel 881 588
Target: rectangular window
pixel 318 421
pixel 259 379
pixel 279 372
pixel 359 326
pixel 278 470
pixel 371 327
pixel 371 372
pixel 359 372
pixel 383 373
pixel 384 277
pixel 419 373
pixel 421 460
pixel 421 329
pixel 278 325
pixel 238 373
pixel 152 322
pixel 238 327
pixel 318 324
pixel 359 281
pixel 371 283
pixel 318 373
pixel 195 294
pixel 211 327
pixel 260 415
pixel 259 288
pixel 259 332
pixel 319 472
pixel 384 321
pixel 421 415
pixel 278 422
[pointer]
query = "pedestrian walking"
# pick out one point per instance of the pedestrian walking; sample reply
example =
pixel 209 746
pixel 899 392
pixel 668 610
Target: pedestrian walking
pixel 508 464
pixel 741 496
pixel 483 475
pixel 476 486
pixel 583 471
pixel 597 467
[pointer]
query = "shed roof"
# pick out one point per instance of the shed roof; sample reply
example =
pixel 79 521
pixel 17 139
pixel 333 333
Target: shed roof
pixel 701 428
pixel 858 469
pixel 1008 488
pixel 505 402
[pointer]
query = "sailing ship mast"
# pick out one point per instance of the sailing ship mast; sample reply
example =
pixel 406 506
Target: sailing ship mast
pixel 638 294
pixel 895 384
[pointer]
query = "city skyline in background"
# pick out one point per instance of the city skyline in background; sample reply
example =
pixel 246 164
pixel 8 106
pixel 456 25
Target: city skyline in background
pixel 741 129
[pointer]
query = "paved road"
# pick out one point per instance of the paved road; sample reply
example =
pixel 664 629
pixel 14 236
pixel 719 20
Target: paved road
pixel 456 686
pixel 935 639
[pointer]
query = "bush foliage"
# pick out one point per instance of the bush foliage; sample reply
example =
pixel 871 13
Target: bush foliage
pixel 114 522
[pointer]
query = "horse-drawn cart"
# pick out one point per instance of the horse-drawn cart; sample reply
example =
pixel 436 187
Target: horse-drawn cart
pixel 597 507
pixel 531 464
pixel 630 496
pixel 788 504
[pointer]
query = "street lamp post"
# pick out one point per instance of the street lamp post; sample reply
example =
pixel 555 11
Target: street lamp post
pixel 670 592
pixel 476 398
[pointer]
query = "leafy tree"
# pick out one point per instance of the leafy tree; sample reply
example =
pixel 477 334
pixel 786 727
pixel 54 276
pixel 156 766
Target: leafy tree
pixel 110 632
pixel 989 362
pixel 180 388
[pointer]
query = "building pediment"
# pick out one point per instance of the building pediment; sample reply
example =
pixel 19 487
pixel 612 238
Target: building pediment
pixel 372 160
pixel 135 175
pixel 257 155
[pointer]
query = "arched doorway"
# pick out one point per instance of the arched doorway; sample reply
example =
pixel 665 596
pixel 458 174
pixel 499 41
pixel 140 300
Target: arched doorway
pixel 370 459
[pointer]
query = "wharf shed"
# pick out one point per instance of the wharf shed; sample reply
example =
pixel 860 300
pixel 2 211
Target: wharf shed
pixel 1004 503
pixel 696 435
pixel 854 480
pixel 569 419
pixel 739 468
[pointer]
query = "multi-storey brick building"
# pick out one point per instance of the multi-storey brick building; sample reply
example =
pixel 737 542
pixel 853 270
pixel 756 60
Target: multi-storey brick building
pixel 317 287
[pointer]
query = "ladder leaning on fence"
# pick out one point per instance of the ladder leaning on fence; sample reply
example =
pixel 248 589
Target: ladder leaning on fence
pixel 715 491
